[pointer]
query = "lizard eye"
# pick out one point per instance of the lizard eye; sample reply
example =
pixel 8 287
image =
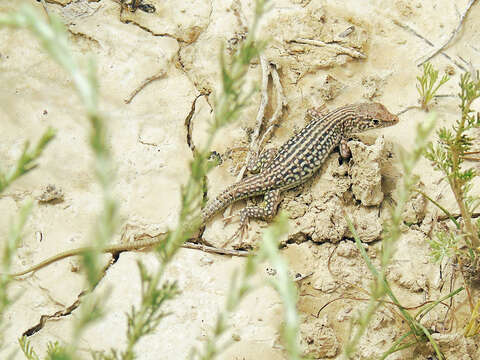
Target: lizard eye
pixel 376 122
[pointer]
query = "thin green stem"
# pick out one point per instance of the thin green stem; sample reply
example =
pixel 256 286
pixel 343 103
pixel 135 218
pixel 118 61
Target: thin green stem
pixel 445 211
pixel 395 347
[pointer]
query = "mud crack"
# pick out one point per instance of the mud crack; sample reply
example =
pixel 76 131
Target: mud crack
pixel 189 124
pixel 69 309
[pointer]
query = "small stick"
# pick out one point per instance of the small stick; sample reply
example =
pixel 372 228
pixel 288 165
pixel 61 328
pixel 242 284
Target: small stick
pixel 253 148
pixel 342 49
pixel 45 9
pixel 300 278
pixel 214 250
pixel 142 85
pixel 281 103
pixel 469 158
pixel 471 68
pixel 254 145
pixel 408 108
pixel 409 29
pixel 347 31
pixel 444 95
pixel 452 35
pixel 474 48
pixel 456 216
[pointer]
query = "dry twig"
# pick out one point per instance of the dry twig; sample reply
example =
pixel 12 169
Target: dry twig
pixel 214 250
pixel 408 108
pixel 45 9
pixel 281 103
pixel 301 277
pixel 253 148
pixel 339 48
pixel 452 35
pixel 428 42
pixel 256 143
pixel 142 85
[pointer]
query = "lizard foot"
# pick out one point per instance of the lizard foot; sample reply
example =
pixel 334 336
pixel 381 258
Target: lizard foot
pixel 241 231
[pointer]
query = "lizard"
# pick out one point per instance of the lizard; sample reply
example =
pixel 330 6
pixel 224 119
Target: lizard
pixel 275 171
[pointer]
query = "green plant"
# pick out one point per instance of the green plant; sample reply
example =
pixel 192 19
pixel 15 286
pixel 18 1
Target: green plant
pixel 53 38
pixel 13 239
pixel 473 326
pixel 27 349
pixel 444 245
pixel 26 162
pixel 448 156
pixel 54 350
pixel 283 284
pixel 143 320
pixel 380 286
pixel 427 85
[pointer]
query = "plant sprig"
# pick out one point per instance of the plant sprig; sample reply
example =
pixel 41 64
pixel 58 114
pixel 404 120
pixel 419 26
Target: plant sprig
pixel 447 157
pixel 428 85
pixel 27 160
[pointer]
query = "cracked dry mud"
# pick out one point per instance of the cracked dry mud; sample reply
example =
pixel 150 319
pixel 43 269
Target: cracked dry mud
pixel 361 50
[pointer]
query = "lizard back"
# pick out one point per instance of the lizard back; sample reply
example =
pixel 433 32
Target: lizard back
pixel 304 153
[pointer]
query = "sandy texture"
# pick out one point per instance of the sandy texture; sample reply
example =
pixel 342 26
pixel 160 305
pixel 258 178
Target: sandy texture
pixel 327 52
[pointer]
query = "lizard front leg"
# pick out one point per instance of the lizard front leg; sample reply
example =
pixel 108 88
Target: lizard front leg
pixel 344 149
pixel 261 162
pixel 266 212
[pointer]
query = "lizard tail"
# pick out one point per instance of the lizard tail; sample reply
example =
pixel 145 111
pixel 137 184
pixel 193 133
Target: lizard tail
pixel 220 202
pixel 243 189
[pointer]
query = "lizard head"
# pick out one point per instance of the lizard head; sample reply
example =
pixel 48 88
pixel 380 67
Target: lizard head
pixel 371 116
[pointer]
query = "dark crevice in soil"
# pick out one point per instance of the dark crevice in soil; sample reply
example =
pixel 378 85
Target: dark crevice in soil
pixel 69 309
pixel 43 319
pixel 144 28
pixel 189 124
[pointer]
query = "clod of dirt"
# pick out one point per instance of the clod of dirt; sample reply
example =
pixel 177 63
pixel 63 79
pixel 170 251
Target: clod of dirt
pixel 325 219
pixel 372 86
pixel 457 346
pixel 328 89
pixel 366 222
pixel 414 212
pixel 412 249
pixel 304 40
pixel 366 171
pixel 318 339
pixel 51 194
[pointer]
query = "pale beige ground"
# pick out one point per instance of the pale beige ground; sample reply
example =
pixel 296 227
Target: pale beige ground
pixel 180 44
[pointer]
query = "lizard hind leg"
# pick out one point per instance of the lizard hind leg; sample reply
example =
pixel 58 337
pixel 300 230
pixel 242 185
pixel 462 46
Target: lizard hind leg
pixel 266 212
